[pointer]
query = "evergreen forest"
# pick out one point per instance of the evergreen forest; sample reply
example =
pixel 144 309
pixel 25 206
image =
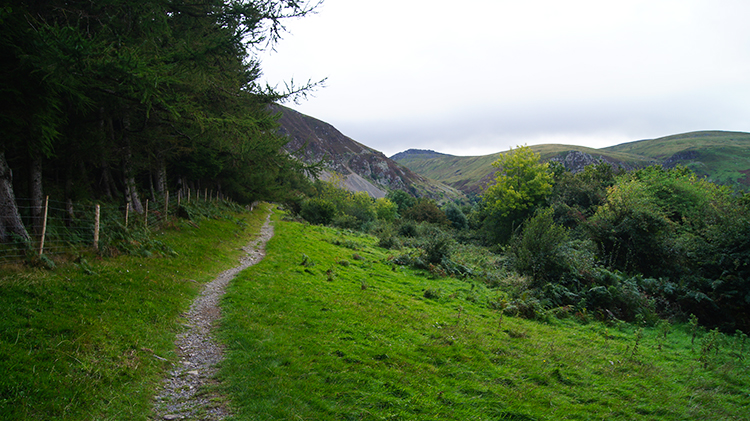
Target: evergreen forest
pixel 119 101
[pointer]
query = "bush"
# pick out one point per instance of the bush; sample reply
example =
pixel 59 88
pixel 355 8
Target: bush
pixel 538 249
pixel 426 210
pixel 386 210
pixel 318 211
pixel 456 216
pixel 437 248
pixel 408 229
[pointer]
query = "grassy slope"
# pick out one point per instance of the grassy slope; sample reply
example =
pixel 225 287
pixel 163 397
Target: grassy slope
pixel 722 156
pixel 80 342
pixel 356 339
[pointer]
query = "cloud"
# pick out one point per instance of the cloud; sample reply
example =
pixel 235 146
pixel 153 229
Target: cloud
pixel 476 75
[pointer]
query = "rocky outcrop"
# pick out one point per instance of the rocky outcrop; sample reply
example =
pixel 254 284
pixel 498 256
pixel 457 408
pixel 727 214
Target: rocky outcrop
pixel 361 167
pixel 575 161
pixel 681 158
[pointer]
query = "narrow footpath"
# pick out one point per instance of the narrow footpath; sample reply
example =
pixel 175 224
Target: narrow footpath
pixel 187 394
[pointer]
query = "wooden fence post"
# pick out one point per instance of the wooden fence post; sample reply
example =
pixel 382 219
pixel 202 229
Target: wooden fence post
pixel 127 211
pixel 145 215
pixel 166 204
pixel 96 227
pixel 44 227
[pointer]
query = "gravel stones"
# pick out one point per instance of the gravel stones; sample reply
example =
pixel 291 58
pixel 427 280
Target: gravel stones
pixel 186 392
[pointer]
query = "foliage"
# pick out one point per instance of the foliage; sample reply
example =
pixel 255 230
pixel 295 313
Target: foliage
pixel 426 210
pixel 386 210
pixel 538 248
pixel 632 230
pixel 402 199
pixel 521 184
pixel 318 211
pixel 456 216
pixel 576 197
pixel 118 98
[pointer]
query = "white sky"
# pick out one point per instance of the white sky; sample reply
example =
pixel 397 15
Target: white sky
pixel 475 77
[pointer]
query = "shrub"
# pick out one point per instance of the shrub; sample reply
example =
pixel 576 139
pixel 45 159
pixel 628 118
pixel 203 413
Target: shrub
pixel 386 210
pixel 402 200
pixel 456 216
pixel 408 229
pixel 426 210
pixel 318 211
pixel 538 249
pixel 437 248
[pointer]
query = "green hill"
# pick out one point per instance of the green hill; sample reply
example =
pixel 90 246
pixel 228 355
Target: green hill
pixel 723 157
pixel 471 173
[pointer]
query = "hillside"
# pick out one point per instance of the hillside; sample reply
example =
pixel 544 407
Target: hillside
pixel 363 168
pixel 723 157
pixel 471 173
pixel 351 334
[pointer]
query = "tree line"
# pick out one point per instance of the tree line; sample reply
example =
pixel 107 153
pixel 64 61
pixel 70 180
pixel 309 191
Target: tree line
pixel 114 99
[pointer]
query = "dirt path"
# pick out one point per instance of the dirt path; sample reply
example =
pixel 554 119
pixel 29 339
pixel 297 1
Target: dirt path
pixel 186 394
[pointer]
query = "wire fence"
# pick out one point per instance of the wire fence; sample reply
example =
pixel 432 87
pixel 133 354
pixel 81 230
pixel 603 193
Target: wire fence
pixel 66 227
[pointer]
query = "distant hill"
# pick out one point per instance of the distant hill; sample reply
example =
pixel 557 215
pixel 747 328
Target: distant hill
pixel 722 157
pixel 470 174
pixel 363 168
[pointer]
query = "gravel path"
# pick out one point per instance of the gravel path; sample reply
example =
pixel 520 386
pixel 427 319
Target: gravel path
pixel 186 393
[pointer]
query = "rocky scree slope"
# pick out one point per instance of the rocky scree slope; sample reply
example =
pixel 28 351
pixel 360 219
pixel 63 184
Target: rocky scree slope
pixel 362 168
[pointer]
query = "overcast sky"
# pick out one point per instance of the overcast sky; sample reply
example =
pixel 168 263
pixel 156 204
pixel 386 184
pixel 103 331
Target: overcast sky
pixel 475 77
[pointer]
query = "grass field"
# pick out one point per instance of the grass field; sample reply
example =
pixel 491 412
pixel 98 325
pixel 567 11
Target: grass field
pixel 328 328
pixel 92 339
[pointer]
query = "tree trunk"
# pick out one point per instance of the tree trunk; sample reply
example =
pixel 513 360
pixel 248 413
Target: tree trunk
pixel 10 219
pixel 37 195
pixel 131 193
pixel 161 174
pixel 69 197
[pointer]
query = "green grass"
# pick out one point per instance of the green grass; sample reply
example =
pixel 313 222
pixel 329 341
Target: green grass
pixel 327 328
pixel 87 340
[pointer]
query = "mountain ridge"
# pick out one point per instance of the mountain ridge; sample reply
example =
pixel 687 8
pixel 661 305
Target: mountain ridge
pixel 719 156
pixel 360 167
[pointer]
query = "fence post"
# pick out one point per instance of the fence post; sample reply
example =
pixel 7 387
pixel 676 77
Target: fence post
pixel 44 226
pixel 96 227
pixel 179 197
pixel 166 204
pixel 145 215
pixel 127 211
pixel 205 195
pixel 188 198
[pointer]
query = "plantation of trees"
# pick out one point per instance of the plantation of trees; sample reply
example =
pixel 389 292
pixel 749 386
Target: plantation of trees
pixel 111 100
pixel 651 244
